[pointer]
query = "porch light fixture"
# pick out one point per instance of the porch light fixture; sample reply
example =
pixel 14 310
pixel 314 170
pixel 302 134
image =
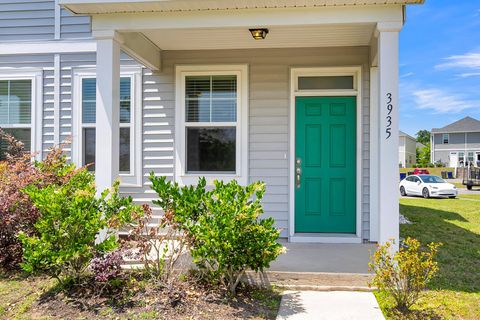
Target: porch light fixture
pixel 259 34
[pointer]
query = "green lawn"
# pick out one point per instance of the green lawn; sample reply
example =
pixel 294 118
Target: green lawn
pixel 455 292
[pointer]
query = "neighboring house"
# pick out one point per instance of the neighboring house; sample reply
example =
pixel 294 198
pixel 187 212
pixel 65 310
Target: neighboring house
pixel 420 145
pixel 457 144
pixel 181 88
pixel 407 150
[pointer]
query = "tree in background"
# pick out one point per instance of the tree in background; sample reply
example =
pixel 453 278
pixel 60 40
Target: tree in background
pixel 423 136
pixel 423 154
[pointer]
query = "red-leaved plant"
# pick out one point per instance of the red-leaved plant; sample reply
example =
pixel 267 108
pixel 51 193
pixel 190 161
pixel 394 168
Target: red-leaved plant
pixel 17 212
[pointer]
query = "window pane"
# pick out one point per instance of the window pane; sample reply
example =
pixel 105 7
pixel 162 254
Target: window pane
pixel 89 148
pixel 15 101
pixel 124 149
pixel 224 87
pixel 89 96
pixel 211 149
pixel 125 100
pixel 325 82
pixel 211 98
pixel 22 135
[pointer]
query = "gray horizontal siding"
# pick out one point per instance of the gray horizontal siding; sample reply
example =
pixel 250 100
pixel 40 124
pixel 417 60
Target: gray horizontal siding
pixel 34 20
pixel 27 20
pixel 73 26
pixel 269 104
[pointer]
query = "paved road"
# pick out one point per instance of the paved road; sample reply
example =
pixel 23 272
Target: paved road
pixel 329 305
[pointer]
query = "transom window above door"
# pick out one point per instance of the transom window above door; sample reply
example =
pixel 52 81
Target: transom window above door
pixel 212 122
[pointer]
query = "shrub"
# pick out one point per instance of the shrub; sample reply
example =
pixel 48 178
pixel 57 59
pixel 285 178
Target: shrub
pixel 224 232
pixel 17 212
pixel 71 218
pixel 158 246
pixel 107 267
pixel 404 274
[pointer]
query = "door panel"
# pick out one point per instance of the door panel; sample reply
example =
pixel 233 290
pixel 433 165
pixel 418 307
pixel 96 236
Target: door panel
pixel 325 194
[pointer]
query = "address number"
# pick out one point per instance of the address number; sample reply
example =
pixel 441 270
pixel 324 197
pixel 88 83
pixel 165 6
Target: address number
pixel 388 118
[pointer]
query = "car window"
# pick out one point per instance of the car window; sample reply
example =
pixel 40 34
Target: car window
pixel 410 179
pixel 415 179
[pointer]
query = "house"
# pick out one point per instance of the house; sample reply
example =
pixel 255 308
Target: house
pixel 407 150
pixel 302 94
pixel 457 143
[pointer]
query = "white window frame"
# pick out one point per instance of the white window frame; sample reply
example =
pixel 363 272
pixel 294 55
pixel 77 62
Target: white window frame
pixel 443 138
pixel 134 177
pixel 241 152
pixel 35 126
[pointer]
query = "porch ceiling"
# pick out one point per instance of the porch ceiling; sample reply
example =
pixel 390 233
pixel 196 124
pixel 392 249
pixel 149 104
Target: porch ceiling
pixel 278 37
pixel 118 6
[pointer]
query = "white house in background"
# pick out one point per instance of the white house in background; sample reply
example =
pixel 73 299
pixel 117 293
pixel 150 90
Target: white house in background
pixel 407 150
pixel 457 143
pixel 302 94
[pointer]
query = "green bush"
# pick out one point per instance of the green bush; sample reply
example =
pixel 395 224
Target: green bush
pixel 404 274
pixel 71 217
pixel 226 236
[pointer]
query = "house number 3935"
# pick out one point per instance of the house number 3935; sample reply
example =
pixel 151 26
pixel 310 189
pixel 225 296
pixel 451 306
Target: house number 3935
pixel 388 118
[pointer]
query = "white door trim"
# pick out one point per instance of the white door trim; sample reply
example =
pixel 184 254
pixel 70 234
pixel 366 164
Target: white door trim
pixel 356 71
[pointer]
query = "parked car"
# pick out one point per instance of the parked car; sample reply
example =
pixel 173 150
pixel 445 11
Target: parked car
pixel 427 186
pixel 420 171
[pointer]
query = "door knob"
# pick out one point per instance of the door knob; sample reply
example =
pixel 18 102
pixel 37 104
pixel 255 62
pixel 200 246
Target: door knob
pixel 298 172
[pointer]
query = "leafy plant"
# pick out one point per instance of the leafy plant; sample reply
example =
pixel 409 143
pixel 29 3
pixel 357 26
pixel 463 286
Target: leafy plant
pixel 223 228
pixel 107 266
pixel 17 212
pixel 404 274
pixel 158 246
pixel 71 218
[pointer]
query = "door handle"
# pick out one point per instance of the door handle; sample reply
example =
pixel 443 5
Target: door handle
pixel 298 172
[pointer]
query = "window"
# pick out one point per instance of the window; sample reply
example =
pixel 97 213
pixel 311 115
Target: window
pixel 18 98
pixel 461 157
pixel 130 132
pixel 470 156
pixel 445 138
pixel 211 126
pixel 325 82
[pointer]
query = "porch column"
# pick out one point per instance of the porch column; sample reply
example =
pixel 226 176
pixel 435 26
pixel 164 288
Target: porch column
pixel 388 106
pixel 107 112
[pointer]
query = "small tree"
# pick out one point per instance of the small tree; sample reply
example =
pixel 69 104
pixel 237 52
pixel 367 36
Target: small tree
pixel 66 232
pixel 17 212
pixel 404 274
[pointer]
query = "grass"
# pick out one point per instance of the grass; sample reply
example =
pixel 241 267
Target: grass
pixel 455 292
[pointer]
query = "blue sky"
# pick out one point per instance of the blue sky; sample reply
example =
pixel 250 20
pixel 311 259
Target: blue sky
pixel 439 64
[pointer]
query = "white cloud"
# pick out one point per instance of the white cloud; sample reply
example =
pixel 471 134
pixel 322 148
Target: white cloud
pixel 440 101
pixel 469 74
pixel 469 60
pixel 406 75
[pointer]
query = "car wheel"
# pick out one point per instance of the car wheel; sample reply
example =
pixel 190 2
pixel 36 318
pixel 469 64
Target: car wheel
pixel 469 187
pixel 403 192
pixel 452 197
pixel 425 193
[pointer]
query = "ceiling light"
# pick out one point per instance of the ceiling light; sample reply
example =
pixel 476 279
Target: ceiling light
pixel 259 34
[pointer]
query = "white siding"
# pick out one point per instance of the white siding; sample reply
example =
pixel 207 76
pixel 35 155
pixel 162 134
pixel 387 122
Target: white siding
pixel 74 27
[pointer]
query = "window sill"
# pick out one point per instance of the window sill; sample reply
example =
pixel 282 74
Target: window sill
pixel 191 179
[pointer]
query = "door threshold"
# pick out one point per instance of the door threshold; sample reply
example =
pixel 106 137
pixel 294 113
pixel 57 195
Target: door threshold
pixel 325 238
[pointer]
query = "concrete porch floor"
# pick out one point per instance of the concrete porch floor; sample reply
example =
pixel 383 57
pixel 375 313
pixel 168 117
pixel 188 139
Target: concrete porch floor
pixel 323 257
pixel 321 267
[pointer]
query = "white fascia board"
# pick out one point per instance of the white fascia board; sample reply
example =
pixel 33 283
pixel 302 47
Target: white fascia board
pixel 42 47
pixel 247 18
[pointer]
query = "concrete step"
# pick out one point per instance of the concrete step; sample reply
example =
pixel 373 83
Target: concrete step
pixel 316 281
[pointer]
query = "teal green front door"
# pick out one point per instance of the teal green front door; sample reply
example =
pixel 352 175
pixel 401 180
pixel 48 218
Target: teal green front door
pixel 325 165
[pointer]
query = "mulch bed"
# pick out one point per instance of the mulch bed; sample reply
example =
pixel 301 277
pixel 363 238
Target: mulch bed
pixel 143 299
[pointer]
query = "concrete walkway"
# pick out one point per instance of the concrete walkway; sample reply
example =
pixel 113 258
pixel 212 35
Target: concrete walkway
pixel 329 305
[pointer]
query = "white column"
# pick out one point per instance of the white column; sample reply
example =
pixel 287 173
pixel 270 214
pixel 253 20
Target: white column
pixel 388 106
pixel 108 112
